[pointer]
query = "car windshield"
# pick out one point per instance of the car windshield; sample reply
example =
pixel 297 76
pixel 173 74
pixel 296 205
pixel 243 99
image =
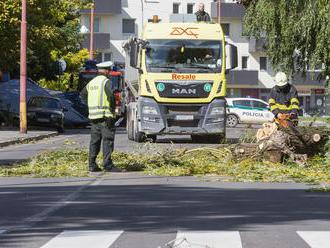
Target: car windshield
pixel 45 103
pixel 190 56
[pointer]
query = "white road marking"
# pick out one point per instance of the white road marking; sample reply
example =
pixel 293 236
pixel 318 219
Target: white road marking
pixel 83 239
pixel 316 239
pixel 210 239
pixel 2 231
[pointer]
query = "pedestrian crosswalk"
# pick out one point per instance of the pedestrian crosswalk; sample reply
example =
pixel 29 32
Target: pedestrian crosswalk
pixel 316 239
pixel 208 239
pixel 83 239
pixel 181 239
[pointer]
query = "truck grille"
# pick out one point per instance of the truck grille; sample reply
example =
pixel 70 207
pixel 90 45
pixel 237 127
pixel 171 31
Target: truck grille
pixel 174 123
pixel 184 90
pixel 172 111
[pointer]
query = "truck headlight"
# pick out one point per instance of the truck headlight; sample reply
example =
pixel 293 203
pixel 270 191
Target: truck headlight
pixel 217 111
pixel 149 110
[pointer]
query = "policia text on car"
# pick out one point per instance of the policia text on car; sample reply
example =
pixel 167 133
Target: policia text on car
pixel 283 99
pixel 101 106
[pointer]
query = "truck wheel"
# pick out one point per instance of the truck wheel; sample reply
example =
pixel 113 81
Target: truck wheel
pixel 232 120
pixel 139 137
pixel 130 127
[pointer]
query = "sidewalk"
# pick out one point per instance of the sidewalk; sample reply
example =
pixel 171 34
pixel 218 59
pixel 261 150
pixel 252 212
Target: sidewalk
pixel 12 137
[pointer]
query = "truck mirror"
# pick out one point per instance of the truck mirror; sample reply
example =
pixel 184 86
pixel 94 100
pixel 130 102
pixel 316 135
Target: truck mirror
pixel 134 54
pixel 232 57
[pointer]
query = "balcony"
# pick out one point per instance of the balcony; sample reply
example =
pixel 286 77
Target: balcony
pixel 101 41
pixel 228 10
pixel 311 79
pixel 243 77
pixel 106 7
pixel 257 45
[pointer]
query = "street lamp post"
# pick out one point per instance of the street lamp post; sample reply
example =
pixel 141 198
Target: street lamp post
pixel 22 101
pixel 91 42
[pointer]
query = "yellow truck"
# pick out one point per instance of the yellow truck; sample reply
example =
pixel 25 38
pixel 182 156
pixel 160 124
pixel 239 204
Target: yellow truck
pixel 176 76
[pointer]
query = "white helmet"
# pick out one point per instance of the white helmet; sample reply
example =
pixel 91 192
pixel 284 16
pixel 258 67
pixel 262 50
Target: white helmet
pixel 281 79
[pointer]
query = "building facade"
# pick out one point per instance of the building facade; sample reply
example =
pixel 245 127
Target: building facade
pixel 254 76
pixel 117 20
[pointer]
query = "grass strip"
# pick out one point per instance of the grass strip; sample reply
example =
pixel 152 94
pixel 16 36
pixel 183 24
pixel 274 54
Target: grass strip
pixel 201 161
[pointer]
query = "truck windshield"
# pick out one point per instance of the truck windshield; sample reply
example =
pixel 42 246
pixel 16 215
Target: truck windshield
pixel 187 56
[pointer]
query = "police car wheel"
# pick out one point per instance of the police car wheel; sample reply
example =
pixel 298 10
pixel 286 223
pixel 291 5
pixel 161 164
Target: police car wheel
pixel 232 120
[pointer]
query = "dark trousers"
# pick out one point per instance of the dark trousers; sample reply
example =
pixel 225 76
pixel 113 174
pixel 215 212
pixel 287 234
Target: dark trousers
pixel 102 130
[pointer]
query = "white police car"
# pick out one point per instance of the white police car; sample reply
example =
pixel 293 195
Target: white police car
pixel 247 110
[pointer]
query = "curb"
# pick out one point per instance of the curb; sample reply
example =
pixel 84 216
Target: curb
pixel 29 139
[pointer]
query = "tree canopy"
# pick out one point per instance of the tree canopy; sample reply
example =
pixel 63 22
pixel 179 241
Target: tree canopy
pixel 297 32
pixel 53 25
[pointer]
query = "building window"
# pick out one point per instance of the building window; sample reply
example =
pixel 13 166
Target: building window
pixel 176 7
pixel 263 63
pixel 245 60
pixel 97 24
pixel 190 8
pixel 129 26
pixel 107 57
pixel 98 57
pixel 226 28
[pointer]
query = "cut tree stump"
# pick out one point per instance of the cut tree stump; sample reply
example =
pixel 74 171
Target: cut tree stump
pixel 275 144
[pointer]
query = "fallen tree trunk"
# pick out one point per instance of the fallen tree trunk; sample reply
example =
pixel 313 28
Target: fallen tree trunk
pixel 274 144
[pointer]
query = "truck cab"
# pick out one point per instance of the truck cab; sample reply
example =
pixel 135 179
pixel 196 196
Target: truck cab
pixel 177 74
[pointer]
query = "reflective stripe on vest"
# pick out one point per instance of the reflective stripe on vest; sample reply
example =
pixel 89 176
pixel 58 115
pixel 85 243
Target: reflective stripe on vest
pixel 98 104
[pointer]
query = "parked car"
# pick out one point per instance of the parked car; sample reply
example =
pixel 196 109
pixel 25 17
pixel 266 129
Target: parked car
pixel 47 112
pixel 247 110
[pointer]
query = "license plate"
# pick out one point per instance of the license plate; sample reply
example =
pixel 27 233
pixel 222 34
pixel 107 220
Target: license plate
pixel 184 117
pixel 43 120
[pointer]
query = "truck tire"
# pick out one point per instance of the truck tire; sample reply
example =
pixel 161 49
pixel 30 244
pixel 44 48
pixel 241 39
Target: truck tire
pixel 138 136
pixel 130 126
pixel 232 120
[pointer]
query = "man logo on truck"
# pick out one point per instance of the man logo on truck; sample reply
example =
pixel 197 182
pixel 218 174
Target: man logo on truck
pixel 184 91
pixel 182 31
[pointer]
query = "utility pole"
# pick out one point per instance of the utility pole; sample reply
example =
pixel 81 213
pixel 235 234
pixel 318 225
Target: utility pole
pixel 219 11
pixel 22 100
pixel 91 42
pixel 142 13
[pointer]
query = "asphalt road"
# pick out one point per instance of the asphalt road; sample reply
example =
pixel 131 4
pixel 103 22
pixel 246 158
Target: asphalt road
pixel 126 210
pixel 132 210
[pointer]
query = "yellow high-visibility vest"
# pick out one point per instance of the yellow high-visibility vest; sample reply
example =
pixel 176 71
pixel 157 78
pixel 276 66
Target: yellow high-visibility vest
pixel 98 104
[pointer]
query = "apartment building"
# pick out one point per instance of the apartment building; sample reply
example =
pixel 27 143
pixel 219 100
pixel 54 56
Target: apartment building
pixel 117 20
pixel 254 76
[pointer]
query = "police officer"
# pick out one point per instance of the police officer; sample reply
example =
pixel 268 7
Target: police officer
pixel 101 106
pixel 201 14
pixel 284 98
